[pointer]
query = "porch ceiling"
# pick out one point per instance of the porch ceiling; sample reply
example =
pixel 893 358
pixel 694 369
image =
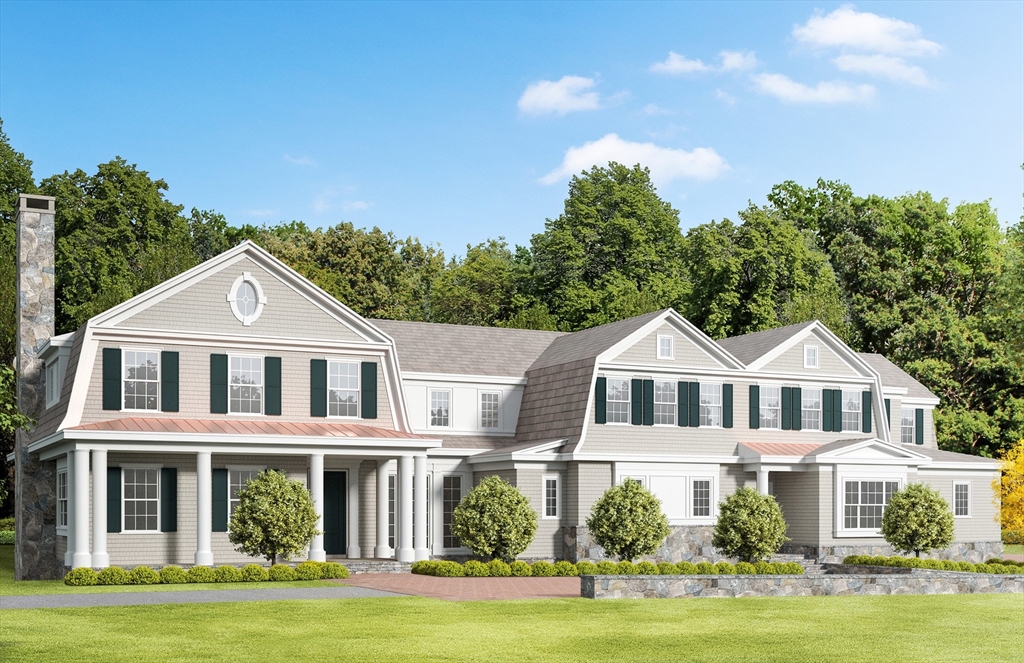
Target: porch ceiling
pixel 780 448
pixel 245 427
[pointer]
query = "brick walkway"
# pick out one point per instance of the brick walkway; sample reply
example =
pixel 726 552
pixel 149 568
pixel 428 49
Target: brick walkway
pixel 468 589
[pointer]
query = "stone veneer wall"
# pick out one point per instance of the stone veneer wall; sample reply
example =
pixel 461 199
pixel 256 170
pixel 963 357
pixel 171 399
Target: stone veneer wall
pixel 683 544
pixel 960 551
pixel 637 587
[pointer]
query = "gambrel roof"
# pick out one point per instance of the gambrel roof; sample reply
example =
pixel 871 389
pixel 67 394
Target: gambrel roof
pixel 751 347
pixel 894 376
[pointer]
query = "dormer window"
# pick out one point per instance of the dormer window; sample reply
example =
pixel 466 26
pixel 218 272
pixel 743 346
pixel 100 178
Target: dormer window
pixel 141 380
pixel 666 346
pixel 246 298
pixel 52 382
pixel 810 356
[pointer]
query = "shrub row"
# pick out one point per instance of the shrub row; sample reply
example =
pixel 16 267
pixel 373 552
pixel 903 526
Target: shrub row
pixel 175 575
pixel 497 568
pixel 994 565
pixel 7 524
pixel 6 537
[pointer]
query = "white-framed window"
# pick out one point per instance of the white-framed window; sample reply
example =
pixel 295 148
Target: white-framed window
pixel 245 385
pixel 552 496
pixel 665 403
pixel 246 298
pixel 864 501
pixel 140 379
pixel 237 478
pixel 666 346
pixel 141 491
pixel 907 424
pixel 710 405
pixel 343 388
pixel 62 498
pixel 392 508
pixel 617 401
pixel 851 410
pixel 490 401
pixel 642 480
pixel 771 407
pixel 440 408
pixel 962 499
pixel 810 409
pixel 451 495
pixel 810 356
pixel 51 380
pixel 701 498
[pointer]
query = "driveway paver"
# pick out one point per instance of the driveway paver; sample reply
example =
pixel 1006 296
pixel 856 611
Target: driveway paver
pixel 469 589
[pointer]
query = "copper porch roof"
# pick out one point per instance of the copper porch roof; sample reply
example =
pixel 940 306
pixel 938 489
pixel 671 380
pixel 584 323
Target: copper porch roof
pixel 780 448
pixel 243 427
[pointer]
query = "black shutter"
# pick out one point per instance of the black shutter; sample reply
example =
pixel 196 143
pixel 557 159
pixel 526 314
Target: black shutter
pixel 694 404
pixel 220 500
pixel 112 379
pixel 168 381
pixel 919 426
pixel 648 402
pixel 272 385
pixel 888 413
pixel 787 408
pixel 601 401
pixel 219 384
pixel 798 414
pixel 755 407
pixel 865 412
pixel 169 499
pixel 368 386
pixel 683 400
pixel 726 406
pixel 826 410
pixel 318 387
pixel 636 396
pixel 837 410
pixel 113 499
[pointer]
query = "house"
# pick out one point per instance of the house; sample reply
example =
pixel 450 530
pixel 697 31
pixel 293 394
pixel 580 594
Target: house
pixel 153 414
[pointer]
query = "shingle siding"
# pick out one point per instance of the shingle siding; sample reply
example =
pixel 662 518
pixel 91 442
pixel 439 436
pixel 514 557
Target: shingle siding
pixel 797 494
pixel 645 351
pixel 982 525
pixel 51 417
pixel 555 402
pixel 792 360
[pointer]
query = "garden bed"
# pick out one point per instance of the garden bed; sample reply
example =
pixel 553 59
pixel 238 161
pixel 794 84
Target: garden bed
pixel 520 569
pixel 175 575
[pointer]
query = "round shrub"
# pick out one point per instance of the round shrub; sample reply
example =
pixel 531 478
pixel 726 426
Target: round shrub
pixel 309 571
pixel 275 517
pixel 625 568
pixel 449 569
pixel 745 568
pixel 6 538
pixel 628 521
pixel 566 569
pixel 607 568
pixel 475 569
pixel 112 575
pixel 705 568
pixel 856 559
pixel 686 568
pixel 877 561
pixel 495 519
pixel 725 568
pixel 498 569
pixel 586 568
pixel 967 567
pixel 665 569
pixel 931 564
pixel 750 526
pixel 253 573
pixel 763 568
pixel 143 575
pixel 424 567
pixel 793 568
pixel 202 574
pixel 542 569
pixel 983 568
pixel 520 569
pixel 949 565
pixel 333 571
pixel 228 574
pixel 647 569
pixel 173 575
pixel 82 577
pixel 281 573
pixel 917 519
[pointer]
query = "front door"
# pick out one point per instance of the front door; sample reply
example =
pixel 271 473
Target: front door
pixel 334 513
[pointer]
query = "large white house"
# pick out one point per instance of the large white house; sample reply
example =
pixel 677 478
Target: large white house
pixel 153 415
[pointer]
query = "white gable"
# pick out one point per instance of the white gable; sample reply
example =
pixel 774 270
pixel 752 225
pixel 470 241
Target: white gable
pixel 686 353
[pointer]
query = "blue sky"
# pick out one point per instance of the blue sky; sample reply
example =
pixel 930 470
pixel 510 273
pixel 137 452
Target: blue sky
pixel 459 122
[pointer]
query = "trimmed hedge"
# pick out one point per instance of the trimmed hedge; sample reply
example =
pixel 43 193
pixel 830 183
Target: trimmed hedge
pixel 566 569
pixel 994 565
pixel 520 569
pixel 475 569
pixel 498 569
pixel 542 569
pixel 175 575
pixel 6 538
pixel 7 524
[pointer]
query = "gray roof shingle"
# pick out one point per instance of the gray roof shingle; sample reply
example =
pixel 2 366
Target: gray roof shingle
pixel 588 343
pixel 894 376
pixel 750 347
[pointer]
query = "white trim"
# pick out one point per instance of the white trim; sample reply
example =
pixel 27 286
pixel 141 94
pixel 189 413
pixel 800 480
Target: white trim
pixel 839 530
pixel 686 328
pixel 159 379
pixel 671 346
pixel 414 376
pixel 262 385
pixel 430 393
pixel 817 355
pixel 970 499
pixel 480 409
pixel 721 404
pixel 712 497
pixel 232 298
pixel 359 392
pixel 557 478
pixel 925 402
pixel 62 469
pixel 159 507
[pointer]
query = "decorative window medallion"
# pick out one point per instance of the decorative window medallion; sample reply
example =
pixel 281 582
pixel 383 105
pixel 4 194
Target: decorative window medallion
pixel 246 298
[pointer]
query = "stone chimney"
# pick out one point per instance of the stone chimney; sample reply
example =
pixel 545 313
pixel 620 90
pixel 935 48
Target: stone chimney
pixel 35 512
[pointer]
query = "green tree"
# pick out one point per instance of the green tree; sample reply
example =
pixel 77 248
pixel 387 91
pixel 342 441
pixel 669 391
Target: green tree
pixel 275 517
pixel 750 526
pixel 627 521
pixel 917 519
pixel 15 178
pixel 614 252
pixel 495 520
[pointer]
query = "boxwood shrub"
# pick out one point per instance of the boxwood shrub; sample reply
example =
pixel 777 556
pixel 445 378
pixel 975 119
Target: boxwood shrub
pixel 83 577
pixel 309 571
pixel 498 569
pixel 6 538
pixel 607 568
pixel 173 575
pixel 543 569
pixel 625 568
pixel 475 569
pixel 228 574
pixel 667 569
pixel 202 574
pixel 994 565
pixel 647 569
pixel 143 575
pixel 705 568
pixel 745 568
pixel 725 568
pixel 424 567
pixel 520 569
pixel 686 568
pixel 252 573
pixel 565 569
pixel 112 575
pixel 448 569
pixel 281 573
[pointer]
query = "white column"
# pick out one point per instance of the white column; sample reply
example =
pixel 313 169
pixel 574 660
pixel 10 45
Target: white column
pixel 81 556
pixel 382 549
pixel 316 490
pixel 100 558
pixel 69 553
pixel 762 480
pixel 204 509
pixel 420 506
pixel 354 550
pixel 405 551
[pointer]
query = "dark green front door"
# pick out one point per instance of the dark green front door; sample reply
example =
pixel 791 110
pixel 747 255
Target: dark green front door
pixel 334 513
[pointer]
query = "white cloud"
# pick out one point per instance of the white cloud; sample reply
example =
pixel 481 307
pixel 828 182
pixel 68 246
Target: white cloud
pixel 567 95
pixel 666 163
pixel 885 66
pixel 655 109
pixel 788 90
pixel 737 60
pixel 725 97
pixel 355 205
pixel 299 161
pixel 848 28
pixel 678 64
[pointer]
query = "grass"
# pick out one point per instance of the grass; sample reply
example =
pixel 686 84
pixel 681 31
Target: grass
pixel 822 629
pixel 8 587
pixel 1013 548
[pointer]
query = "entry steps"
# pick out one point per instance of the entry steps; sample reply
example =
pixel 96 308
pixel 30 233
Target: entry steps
pixel 372 565
pixel 811 566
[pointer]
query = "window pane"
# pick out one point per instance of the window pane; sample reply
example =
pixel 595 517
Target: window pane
pixel 961 499
pixel 550 498
pixel 450 498
pixel 141 499
pixel 710 404
pixel 701 498
pixel 245 395
pixel 439 408
pixel 489 410
pixel 617 402
pixel 810 409
pixel 665 402
pixel 771 407
pixel 851 410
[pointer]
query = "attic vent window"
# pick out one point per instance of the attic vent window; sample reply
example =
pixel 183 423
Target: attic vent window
pixel 37 203
pixel 246 298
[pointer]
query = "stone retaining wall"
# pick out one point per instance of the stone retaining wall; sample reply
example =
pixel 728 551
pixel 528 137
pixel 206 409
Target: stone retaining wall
pixel 959 551
pixel 683 544
pixel 718 586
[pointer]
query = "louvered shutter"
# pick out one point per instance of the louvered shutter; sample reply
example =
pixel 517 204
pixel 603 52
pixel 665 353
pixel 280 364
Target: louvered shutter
pixel 826 410
pixel 112 379
pixel 726 406
pixel 865 412
pixel 113 499
pixel 219 384
pixel 798 396
pixel 220 499
pixel 636 396
pixel 169 499
pixel 318 387
pixel 919 426
pixel 755 407
pixel 601 401
pixel 272 385
pixel 368 389
pixel 683 403
pixel 694 404
pixel 787 408
pixel 648 402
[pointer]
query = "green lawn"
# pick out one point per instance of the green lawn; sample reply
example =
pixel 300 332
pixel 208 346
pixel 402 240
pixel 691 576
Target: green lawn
pixel 8 587
pixel 1013 548
pixel 820 629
